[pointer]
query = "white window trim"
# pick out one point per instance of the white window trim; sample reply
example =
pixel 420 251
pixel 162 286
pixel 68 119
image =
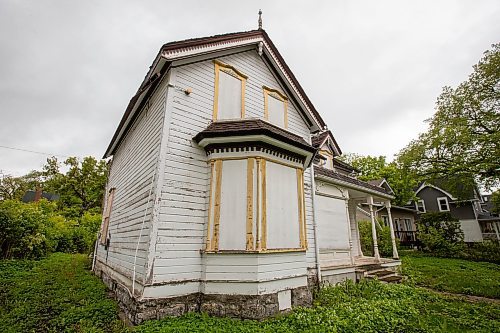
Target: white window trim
pixel 230 70
pixel 447 204
pixel 423 206
pixel 274 93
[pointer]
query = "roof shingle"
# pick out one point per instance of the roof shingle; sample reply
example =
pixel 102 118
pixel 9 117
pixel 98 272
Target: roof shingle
pixel 344 178
pixel 242 127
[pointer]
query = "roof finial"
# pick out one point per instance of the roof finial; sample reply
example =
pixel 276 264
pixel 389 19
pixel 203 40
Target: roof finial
pixel 260 19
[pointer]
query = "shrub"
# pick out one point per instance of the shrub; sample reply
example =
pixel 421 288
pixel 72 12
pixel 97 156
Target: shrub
pixel 488 250
pixel 383 239
pixel 33 230
pixel 22 230
pixel 440 234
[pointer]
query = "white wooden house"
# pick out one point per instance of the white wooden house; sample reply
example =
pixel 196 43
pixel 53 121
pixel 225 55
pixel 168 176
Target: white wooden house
pixel 214 202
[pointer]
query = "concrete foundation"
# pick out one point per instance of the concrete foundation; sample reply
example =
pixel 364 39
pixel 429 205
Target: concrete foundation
pixel 238 306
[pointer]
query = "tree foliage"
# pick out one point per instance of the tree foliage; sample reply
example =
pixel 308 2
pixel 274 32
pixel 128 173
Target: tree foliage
pixel 14 188
pixel 81 187
pixel 463 139
pixel 401 180
pixel 495 200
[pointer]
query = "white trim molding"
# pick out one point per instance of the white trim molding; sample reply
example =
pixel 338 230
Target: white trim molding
pixel 423 206
pixel 439 204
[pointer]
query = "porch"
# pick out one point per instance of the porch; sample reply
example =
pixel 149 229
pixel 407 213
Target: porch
pixel 340 255
pixel 490 227
pixel 383 269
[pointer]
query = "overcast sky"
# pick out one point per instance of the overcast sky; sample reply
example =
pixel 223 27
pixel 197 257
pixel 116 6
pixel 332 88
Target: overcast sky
pixel 373 69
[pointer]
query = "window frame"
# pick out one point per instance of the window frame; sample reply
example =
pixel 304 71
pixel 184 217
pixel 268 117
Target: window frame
pixel 439 204
pixel 423 206
pixel 329 157
pixel 275 93
pixel 232 71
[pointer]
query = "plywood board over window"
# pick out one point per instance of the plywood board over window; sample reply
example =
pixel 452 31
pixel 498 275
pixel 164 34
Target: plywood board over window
pixel 275 107
pixel 233 211
pixel 282 208
pixel 106 215
pixel 229 98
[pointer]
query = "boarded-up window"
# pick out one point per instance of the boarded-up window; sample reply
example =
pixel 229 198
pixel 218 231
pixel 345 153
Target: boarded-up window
pixel 333 223
pixel 233 206
pixel 106 215
pixel 229 100
pixel 275 107
pixel 283 207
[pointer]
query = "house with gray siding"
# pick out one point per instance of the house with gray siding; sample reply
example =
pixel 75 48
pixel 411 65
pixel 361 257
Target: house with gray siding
pixel 476 223
pixel 225 194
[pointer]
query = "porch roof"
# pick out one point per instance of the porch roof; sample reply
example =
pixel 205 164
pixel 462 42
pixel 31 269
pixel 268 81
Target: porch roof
pixel 350 182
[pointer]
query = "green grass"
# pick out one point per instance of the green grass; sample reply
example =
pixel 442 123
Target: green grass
pixel 59 294
pixel 453 275
pixel 53 295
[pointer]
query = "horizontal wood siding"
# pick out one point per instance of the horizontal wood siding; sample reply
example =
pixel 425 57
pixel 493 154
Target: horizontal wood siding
pixel 184 204
pixel 254 267
pixel 132 172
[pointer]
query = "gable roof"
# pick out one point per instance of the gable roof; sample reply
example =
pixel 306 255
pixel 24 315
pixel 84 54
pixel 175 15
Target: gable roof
pixel 381 182
pixel 343 166
pixel 201 46
pixel 319 140
pixel 424 185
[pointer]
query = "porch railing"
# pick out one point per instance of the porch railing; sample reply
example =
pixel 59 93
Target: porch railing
pixel 406 237
pixel 489 236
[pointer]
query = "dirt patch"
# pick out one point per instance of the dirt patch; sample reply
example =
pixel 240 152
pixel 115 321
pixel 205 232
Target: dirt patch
pixel 470 298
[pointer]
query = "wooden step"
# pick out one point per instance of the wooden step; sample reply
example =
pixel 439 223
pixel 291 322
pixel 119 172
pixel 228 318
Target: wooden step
pixel 391 279
pixel 381 272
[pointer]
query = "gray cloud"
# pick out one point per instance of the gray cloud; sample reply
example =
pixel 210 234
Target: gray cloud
pixel 373 69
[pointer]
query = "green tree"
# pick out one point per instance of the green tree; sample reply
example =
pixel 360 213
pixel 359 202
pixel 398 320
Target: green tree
pixel 401 179
pixel 495 200
pixel 81 187
pixel 463 139
pixel 14 188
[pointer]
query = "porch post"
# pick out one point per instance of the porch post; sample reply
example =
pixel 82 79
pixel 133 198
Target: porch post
pixel 354 226
pixel 495 227
pixel 349 230
pixel 376 254
pixel 395 254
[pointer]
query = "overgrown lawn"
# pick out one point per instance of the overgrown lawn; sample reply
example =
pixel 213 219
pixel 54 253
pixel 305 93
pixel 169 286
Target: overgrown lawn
pixel 453 275
pixel 59 294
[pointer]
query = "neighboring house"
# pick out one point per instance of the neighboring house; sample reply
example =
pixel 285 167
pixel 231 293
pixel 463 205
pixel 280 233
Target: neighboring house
pixel 488 220
pixel 35 196
pixel 213 201
pixel 477 224
pixel 487 204
pixel 404 219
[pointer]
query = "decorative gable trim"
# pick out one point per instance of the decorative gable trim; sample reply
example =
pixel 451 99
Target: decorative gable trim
pixel 389 186
pixel 424 185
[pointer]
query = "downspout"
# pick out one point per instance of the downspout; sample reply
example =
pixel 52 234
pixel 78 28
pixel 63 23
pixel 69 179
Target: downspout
pixel 315 226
